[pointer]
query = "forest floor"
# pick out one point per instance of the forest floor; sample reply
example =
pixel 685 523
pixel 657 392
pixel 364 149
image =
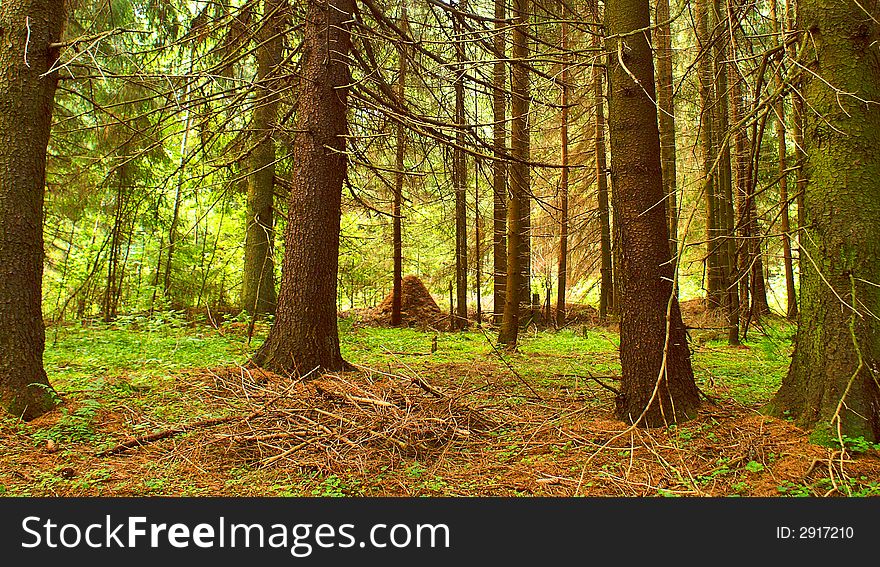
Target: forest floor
pixel 464 420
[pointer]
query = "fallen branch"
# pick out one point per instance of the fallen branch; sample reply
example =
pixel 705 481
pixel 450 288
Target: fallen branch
pixel 159 435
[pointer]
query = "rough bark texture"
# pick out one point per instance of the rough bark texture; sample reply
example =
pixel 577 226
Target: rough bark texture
pixel 520 143
pixel 517 288
pixel 26 102
pixel 499 167
pixel 258 278
pixel 657 378
pixel 832 383
pixel 305 335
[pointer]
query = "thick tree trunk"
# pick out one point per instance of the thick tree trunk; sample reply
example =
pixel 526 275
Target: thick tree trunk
pixel 832 383
pixel 517 290
pixel 606 283
pixel 499 167
pixel 657 385
pixel 258 283
pixel 27 28
pixel 305 334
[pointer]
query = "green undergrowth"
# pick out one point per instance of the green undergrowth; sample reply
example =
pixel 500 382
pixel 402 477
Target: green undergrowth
pixel 140 375
pixel 139 361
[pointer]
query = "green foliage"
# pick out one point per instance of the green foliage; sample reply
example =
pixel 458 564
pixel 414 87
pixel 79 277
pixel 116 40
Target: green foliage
pixel 754 467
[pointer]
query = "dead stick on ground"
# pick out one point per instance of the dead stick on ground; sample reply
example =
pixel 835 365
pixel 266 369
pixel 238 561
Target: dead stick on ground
pixel 509 366
pixel 159 435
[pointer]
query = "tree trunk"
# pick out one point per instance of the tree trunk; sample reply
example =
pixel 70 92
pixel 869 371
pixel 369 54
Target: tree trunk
pixel 517 290
pixel 178 193
pixel 520 134
pixel 563 184
pixel 741 178
pixel 726 221
pixel 258 278
pixel 459 179
pixel 499 167
pixel 113 287
pixel 399 175
pixel 832 383
pixel 606 283
pixel 304 335
pixel 785 223
pixel 797 118
pixel 27 28
pixel 709 147
pixel 657 384
pixel 666 117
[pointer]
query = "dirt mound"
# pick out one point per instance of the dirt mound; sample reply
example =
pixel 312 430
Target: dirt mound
pixel 417 307
pixel 697 314
pixel 581 313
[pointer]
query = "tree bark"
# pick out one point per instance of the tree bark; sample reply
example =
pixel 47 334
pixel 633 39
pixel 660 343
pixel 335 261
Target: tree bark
pixel 459 179
pixel 304 335
pixel 517 290
pixel 399 176
pixel 258 279
pixel 832 383
pixel 563 183
pixel 606 283
pixel 785 223
pixel 27 28
pixel 657 384
pixel 726 220
pixel 499 166
pixel 666 117
pixel 708 143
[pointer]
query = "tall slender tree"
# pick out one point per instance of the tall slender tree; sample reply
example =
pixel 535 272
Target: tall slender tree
pixel 666 115
pixel 657 384
pixel 459 176
pixel 258 278
pixel 832 383
pixel 29 30
pixel 563 181
pixel 304 335
pixel 724 187
pixel 704 25
pixel 399 176
pixel 782 157
pixel 517 290
pixel 499 165
pixel 606 281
